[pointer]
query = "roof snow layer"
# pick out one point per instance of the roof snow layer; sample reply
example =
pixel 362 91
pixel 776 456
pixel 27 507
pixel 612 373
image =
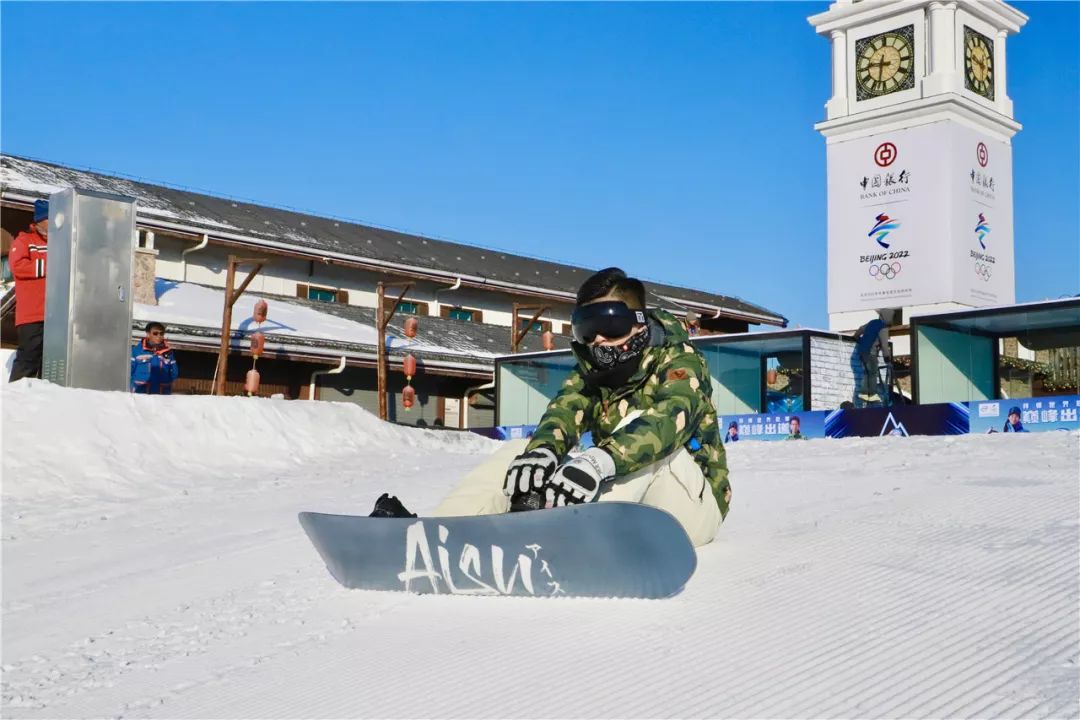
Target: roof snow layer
pixel 154 567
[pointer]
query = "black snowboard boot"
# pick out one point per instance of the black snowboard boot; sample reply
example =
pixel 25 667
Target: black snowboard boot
pixel 529 501
pixel 388 506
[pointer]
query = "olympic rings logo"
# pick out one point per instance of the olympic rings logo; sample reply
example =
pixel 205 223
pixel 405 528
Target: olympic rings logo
pixel 884 271
pixel 984 270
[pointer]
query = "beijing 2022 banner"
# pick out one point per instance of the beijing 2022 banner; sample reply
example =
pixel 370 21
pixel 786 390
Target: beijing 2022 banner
pixel 1042 414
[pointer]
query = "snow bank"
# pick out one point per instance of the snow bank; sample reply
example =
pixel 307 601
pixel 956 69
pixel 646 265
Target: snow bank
pixel 69 443
pixel 7 358
pixel 154 567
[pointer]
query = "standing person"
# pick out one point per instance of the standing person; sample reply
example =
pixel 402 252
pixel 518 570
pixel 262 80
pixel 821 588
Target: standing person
pixel 873 340
pixel 29 261
pixel 153 367
pixel 693 323
pixel 645 394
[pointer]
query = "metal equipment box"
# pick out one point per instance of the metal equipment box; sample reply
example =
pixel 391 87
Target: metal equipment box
pixel 88 290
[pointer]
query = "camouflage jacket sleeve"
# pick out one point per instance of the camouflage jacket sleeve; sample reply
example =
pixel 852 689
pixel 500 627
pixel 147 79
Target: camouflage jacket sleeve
pixel 669 422
pixel 565 419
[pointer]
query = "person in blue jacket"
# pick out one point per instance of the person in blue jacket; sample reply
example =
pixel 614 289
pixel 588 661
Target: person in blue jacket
pixel 1012 422
pixel 153 366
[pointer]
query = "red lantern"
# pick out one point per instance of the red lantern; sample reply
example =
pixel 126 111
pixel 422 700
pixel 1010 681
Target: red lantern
pixel 411 326
pixel 549 340
pixel 258 343
pixel 260 311
pixel 770 376
pixel 408 365
pixel 251 381
pixel 408 396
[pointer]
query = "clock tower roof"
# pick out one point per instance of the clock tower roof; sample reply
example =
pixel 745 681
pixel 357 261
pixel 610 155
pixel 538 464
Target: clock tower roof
pixel 843 14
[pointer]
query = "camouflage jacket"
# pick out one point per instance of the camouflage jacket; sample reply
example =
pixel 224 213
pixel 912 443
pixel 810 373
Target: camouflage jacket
pixel 671 396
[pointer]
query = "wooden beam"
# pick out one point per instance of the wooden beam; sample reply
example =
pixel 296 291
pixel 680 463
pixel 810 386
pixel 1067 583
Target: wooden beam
pixel 226 315
pixel 382 319
pixel 226 322
pixel 515 336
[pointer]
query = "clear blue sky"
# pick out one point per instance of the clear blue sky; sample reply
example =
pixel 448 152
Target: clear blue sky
pixel 675 140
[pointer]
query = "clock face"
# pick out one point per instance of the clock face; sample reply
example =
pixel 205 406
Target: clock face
pixel 978 63
pixel 885 63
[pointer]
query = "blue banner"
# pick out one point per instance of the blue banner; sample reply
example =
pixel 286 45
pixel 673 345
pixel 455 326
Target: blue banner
pixel 506 432
pixel 899 421
pixel 1058 412
pixel 773 426
pixel 1061 412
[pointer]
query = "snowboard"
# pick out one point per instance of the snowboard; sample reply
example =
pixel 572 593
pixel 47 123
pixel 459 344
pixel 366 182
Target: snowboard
pixel 608 549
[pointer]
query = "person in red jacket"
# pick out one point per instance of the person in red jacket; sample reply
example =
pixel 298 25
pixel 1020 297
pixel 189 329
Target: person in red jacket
pixel 28 259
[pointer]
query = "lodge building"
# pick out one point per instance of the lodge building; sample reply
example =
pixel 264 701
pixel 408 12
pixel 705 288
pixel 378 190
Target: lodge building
pixel 320 279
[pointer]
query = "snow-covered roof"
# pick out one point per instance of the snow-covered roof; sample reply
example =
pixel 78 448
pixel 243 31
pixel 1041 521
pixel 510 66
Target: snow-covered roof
pixel 323 328
pixel 206 213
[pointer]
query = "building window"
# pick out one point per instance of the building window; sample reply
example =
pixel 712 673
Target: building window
pixel 460 313
pixel 412 307
pixel 322 294
pixel 538 326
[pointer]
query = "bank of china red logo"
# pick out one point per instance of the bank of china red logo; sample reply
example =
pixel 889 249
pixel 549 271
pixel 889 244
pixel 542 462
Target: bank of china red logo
pixel 885 154
pixel 982 154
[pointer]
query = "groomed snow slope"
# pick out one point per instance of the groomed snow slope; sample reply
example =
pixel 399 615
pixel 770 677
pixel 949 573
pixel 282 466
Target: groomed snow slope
pixel 153 567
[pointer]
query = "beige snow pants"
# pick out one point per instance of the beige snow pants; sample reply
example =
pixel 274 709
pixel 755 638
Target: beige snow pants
pixel 675 484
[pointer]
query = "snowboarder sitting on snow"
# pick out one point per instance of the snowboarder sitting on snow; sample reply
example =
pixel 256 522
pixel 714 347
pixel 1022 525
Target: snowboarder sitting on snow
pixel 644 392
pixel 153 367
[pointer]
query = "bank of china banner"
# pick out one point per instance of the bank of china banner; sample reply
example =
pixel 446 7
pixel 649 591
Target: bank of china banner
pixel 983 264
pixel 907 211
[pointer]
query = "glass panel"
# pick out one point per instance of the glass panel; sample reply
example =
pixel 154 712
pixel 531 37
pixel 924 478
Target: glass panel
pixel 526 387
pixel 537 326
pixel 459 314
pixel 784 382
pixel 322 295
pixel 736 371
pixel 954 366
pixel 409 308
pixel 1040 363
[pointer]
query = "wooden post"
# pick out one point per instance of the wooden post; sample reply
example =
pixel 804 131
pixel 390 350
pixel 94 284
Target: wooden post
pixel 515 336
pixel 226 315
pixel 382 319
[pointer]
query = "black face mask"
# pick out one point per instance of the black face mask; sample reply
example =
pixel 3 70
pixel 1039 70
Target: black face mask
pixel 613 365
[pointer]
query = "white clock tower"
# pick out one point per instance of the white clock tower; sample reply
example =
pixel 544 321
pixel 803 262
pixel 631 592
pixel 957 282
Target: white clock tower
pixel 918 136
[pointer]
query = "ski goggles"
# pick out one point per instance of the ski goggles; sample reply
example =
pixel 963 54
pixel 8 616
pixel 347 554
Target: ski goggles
pixel 610 319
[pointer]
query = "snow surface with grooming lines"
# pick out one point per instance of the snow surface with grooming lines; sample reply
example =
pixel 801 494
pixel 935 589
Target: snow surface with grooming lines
pixel 153 566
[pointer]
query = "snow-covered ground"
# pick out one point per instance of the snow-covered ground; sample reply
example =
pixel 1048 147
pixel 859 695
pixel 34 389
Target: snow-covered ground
pixel 153 567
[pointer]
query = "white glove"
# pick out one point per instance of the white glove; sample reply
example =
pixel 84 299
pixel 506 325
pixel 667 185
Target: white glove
pixel 529 472
pixel 578 481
